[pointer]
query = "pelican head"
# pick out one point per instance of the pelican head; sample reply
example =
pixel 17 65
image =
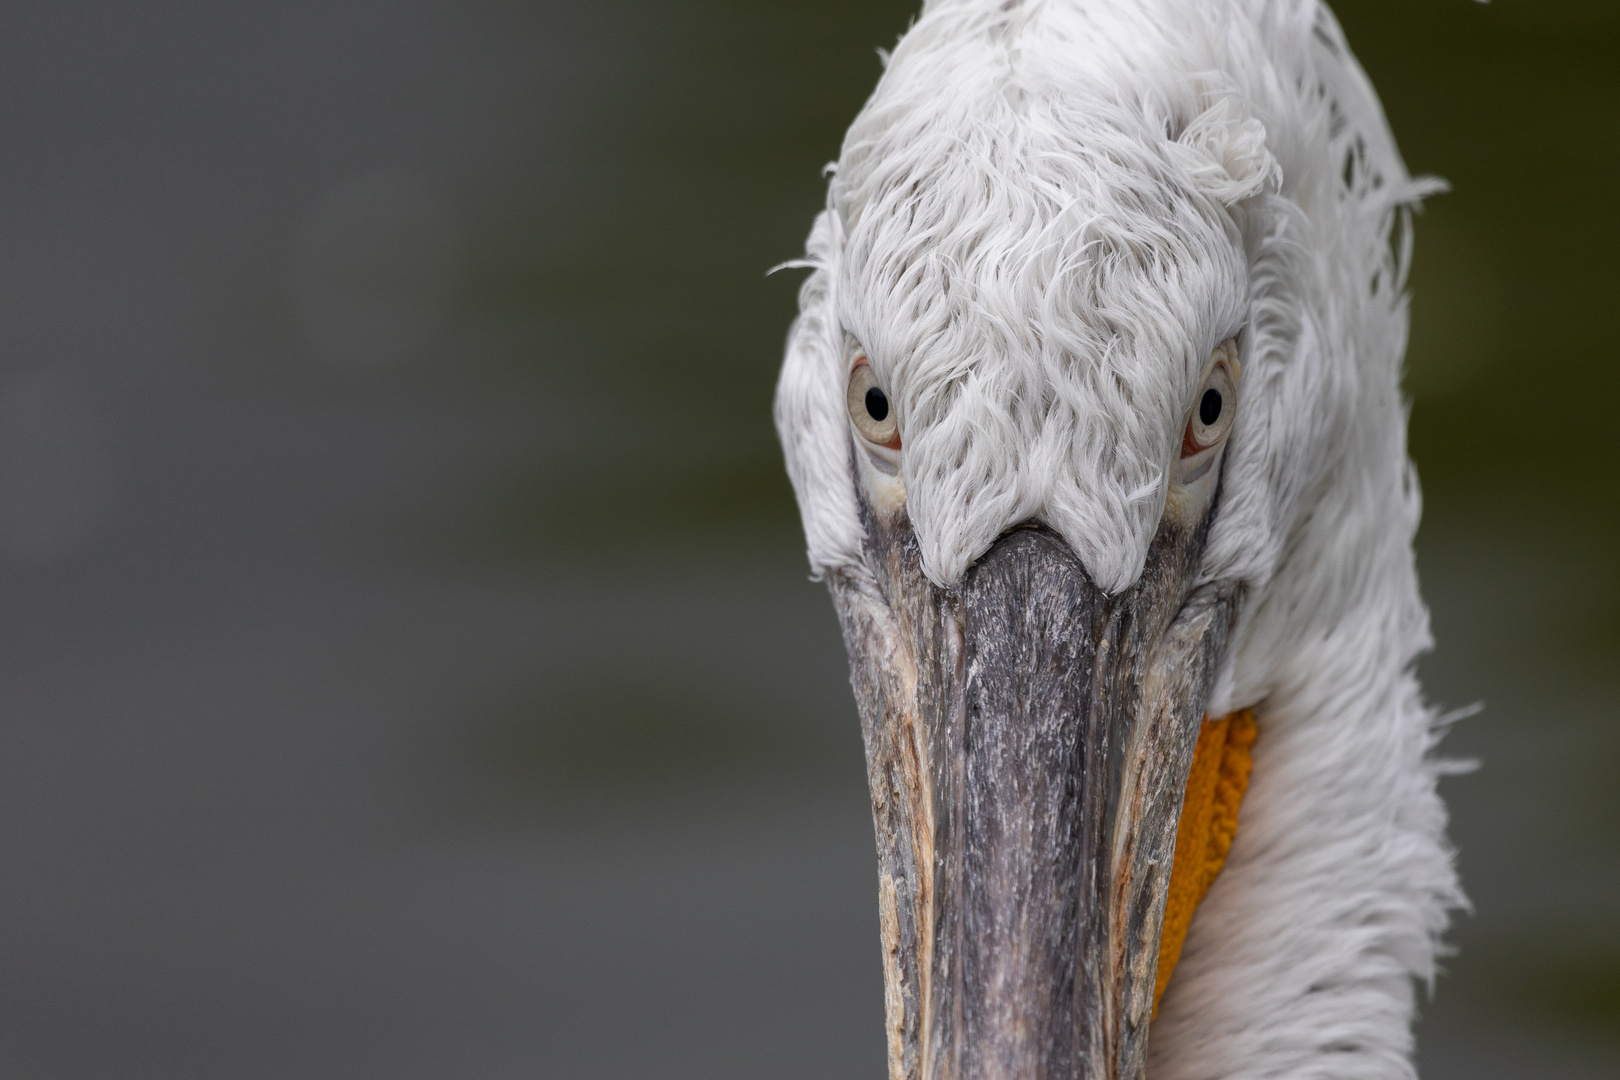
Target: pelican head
pixel 1092 410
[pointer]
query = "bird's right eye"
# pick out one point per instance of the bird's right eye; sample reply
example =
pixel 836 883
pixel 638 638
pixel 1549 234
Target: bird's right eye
pixel 870 409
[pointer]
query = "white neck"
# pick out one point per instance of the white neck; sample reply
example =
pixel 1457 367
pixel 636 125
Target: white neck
pixel 1304 953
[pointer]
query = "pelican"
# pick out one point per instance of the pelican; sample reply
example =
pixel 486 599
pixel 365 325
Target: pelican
pixel 1092 409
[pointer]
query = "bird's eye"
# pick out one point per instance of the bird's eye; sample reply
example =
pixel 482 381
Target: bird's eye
pixel 869 408
pixel 1212 416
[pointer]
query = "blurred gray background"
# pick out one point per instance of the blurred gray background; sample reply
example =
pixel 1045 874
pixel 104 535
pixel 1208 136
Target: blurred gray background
pixel 409 668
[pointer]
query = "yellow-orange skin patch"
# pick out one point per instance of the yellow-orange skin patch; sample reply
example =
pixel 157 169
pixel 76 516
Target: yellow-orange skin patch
pixel 1209 816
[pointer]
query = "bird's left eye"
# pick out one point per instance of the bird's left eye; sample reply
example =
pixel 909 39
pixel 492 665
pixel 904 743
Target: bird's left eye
pixel 869 408
pixel 1213 414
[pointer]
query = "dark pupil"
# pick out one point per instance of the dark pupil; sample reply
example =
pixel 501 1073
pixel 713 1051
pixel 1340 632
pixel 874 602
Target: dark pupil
pixel 1209 409
pixel 877 405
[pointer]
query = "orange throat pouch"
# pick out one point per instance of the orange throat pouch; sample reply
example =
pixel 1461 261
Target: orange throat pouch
pixel 1209 816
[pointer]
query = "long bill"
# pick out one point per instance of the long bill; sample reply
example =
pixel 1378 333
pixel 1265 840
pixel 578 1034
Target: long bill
pixel 1028 740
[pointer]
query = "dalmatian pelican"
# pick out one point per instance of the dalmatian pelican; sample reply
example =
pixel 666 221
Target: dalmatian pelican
pixel 1092 411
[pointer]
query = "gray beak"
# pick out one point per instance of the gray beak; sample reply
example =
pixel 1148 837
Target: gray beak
pixel 1028 739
